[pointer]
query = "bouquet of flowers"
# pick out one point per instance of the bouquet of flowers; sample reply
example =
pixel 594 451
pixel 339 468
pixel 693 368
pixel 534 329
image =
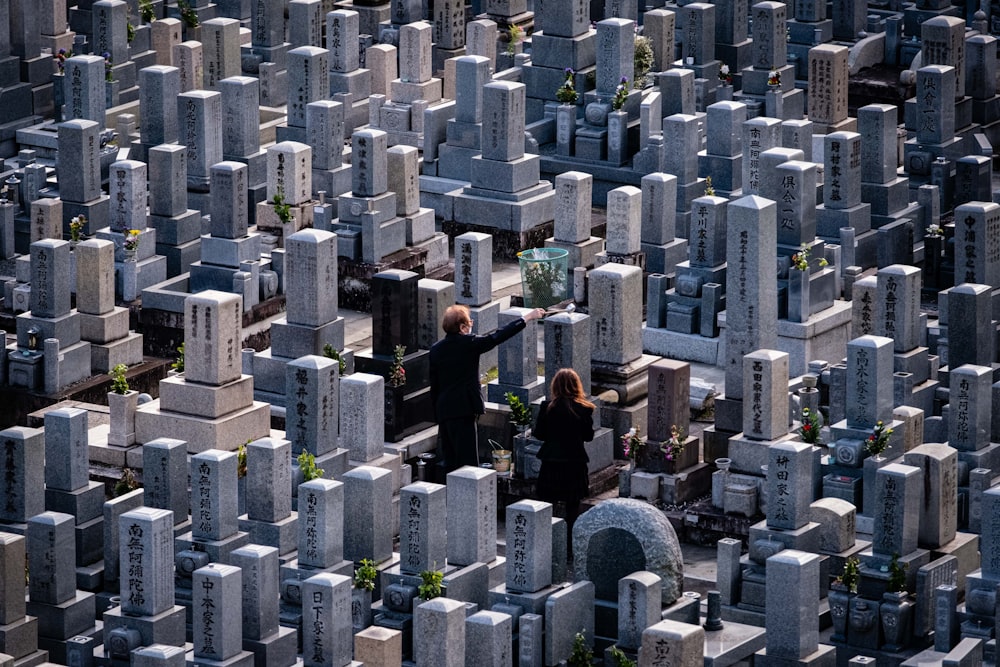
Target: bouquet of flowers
pixel 878 441
pixel 397 374
pixel 76 226
pixel 674 447
pixel 61 59
pixel 131 243
pixel 724 76
pixel 632 444
pixel 811 425
pixel 566 93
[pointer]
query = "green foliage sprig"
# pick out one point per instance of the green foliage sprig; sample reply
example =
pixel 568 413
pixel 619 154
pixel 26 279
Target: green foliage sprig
pixel 514 37
pixel 241 460
pixel 581 655
pixel 126 483
pixel 307 464
pixel 851 575
pixel 621 95
pixel 178 363
pixel 282 209
pixel 365 574
pixel 188 15
pixel 520 414
pixel 146 11
pixel 431 586
pixel 642 61
pixel 331 353
pixel 620 659
pixel 897 575
pixel 119 383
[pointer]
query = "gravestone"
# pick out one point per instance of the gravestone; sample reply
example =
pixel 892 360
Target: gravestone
pixel 68 488
pixel 215 524
pixel 311 322
pixel 216 638
pixel 422 520
pixel 211 404
pixel 165 473
pixel 327 600
pixel 793 629
pixel 269 518
pixel 262 635
pixel 147 586
pixel 19 639
pixel 178 228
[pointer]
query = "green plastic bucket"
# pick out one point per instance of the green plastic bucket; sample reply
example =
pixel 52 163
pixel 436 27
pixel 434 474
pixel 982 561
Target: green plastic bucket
pixel 544 276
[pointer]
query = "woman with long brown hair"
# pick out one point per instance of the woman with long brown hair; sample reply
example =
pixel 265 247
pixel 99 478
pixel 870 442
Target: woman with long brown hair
pixel 565 421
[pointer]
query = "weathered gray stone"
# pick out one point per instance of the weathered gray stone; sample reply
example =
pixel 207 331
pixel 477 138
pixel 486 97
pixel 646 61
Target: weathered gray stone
pixel 327 600
pixel 615 539
pixel 367 514
pixel 145 538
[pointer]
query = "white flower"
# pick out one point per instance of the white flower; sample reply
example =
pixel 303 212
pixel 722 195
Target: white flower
pixel 773 74
pixel 724 69
pixel 631 432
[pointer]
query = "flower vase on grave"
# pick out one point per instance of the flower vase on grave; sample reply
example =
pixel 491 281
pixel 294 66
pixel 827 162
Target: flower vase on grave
pixel 241 494
pixel 897 618
pixel 361 609
pixel 565 129
pixel 130 278
pixel 617 137
pixel 863 623
pixel 933 247
pixel 395 422
pixel 58 95
pixel 192 33
pixel 651 459
pixel 522 457
pixel 111 93
pixel 798 295
pixel 840 601
pixel 122 412
pixel 625 483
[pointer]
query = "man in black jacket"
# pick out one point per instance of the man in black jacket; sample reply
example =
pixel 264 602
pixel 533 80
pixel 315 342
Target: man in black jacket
pixel 455 389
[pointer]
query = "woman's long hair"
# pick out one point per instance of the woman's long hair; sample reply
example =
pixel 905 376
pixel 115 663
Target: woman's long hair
pixel 567 385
